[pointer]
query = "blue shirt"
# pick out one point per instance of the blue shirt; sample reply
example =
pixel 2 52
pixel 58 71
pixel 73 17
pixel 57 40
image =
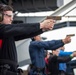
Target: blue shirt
pixel 36 51
pixel 62 66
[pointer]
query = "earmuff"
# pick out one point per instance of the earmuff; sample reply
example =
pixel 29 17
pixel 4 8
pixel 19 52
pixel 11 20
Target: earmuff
pixel 1 14
pixel 1 17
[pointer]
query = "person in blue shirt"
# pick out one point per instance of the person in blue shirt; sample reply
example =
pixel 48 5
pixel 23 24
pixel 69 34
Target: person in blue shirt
pixel 36 52
pixel 62 66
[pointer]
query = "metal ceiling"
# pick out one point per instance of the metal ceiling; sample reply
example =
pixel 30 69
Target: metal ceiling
pixel 33 5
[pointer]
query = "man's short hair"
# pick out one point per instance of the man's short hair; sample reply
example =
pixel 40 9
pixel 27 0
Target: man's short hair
pixel 4 7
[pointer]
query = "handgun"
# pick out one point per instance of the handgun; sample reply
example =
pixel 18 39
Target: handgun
pixel 54 17
pixel 71 35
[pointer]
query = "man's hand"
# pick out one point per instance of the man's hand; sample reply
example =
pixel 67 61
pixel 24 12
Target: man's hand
pixel 67 40
pixel 47 24
pixel 73 54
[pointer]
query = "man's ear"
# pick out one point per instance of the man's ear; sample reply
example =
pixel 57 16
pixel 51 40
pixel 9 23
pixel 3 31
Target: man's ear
pixel 1 17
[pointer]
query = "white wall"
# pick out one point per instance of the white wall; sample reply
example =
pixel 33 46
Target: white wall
pixel 22 49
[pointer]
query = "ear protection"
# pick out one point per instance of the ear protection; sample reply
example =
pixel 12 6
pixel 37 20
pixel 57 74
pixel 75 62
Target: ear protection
pixel 1 14
pixel 1 17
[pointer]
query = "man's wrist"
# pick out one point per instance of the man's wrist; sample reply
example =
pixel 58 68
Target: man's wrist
pixel 41 26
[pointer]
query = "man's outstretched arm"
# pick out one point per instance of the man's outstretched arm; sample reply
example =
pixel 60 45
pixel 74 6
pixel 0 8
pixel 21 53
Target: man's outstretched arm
pixel 25 29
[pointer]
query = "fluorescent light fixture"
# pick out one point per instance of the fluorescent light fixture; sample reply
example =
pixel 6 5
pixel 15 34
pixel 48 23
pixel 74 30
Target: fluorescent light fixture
pixel 48 13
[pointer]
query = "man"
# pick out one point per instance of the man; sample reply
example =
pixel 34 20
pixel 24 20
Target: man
pixel 62 66
pixel 36 51
pixel 54 60
pixel 9 33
